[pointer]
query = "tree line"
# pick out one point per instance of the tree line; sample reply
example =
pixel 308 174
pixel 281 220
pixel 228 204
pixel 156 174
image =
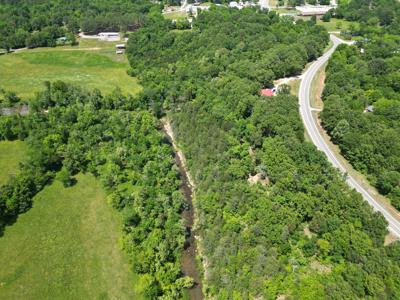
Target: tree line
pixel 302 233
pixel 114 137
pixel 375 17
pixel 362 108
pixel 24 23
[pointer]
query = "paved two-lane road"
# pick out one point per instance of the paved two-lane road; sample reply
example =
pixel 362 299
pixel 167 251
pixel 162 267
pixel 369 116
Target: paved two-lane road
pixel 311 126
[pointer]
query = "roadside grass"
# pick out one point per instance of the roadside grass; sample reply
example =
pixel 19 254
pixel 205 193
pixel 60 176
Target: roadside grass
pixel 361 178
pixel 317 87
pixel 11 154
pixel 294 86
pixel 92 64
pixel 65 247
pixel 316 102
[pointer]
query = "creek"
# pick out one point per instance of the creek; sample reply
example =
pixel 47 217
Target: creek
pixel 188 258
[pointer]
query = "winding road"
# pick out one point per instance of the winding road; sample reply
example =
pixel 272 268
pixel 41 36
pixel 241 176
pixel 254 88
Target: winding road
pixel 312 125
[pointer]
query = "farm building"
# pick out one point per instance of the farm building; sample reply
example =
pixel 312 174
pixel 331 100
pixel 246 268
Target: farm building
pixel 109 36
pixel 309 10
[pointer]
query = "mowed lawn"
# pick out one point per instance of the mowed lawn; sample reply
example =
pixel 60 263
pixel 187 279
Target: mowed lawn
pixel 336 24
pixel 65 247
pixel 91 66
pixel 11 154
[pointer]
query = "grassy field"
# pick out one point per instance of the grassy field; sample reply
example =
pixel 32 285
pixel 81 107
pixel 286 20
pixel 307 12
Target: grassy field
pixel 65 247
pixel 11 154
pixel 175 15
pixel 335 24
pixel 92 64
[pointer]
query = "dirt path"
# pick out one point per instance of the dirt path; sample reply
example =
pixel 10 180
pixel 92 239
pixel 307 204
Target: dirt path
pixel 188 259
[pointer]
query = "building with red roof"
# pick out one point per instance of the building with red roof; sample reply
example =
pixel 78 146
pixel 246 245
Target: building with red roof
pixel 267 92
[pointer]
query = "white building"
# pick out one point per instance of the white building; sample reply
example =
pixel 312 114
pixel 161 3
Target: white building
pixel 234 4
pixel 193 9
pixel 120 46
pixel 109 36
pixel 311 10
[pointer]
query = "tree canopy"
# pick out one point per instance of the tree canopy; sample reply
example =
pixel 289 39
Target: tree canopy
pixel 301 232
pixel 26 23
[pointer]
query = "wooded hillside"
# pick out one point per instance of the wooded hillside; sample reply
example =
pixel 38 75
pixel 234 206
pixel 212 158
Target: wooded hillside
pixel 26 23
pixel 70 130
pixel 300 232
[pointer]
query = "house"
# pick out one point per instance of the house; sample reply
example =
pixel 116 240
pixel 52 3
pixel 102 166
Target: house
pixel 120 46
pixel 109 36
pixel 268 92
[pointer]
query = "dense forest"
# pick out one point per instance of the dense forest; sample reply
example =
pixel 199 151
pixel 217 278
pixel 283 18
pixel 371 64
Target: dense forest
pixel 27 23
pixel 273 218
pixel 362 109
pixel 373 16
pixel 362 95
pixel 300 232
pixel 70 130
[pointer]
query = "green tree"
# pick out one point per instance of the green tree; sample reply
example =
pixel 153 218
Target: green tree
pixel 64 176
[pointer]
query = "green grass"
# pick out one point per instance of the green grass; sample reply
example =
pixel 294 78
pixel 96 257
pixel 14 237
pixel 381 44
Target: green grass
pixel 11 154
pixel 336 24
pixel 92 64
pixel 65 247
pixel 176 15
pixel 284 10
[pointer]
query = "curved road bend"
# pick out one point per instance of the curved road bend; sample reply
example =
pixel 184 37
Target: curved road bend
pixel 311 126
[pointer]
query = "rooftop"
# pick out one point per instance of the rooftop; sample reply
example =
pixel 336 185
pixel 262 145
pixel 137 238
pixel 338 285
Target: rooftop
pixel 267 93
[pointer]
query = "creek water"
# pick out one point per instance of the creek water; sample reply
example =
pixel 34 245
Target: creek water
pixel 188 258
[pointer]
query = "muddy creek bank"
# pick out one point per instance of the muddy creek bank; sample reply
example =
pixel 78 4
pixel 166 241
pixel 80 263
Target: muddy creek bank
pixel 188 258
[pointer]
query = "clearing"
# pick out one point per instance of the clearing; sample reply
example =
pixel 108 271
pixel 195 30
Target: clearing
pixel 11 154
pixel 336 24
pixel 65 247
pixel 91 64
pixel 176 15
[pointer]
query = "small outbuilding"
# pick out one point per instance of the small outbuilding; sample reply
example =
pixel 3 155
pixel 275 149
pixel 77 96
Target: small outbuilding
pixel 268 92
pixel 369 109
pixel 120 46
pixel 109 36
